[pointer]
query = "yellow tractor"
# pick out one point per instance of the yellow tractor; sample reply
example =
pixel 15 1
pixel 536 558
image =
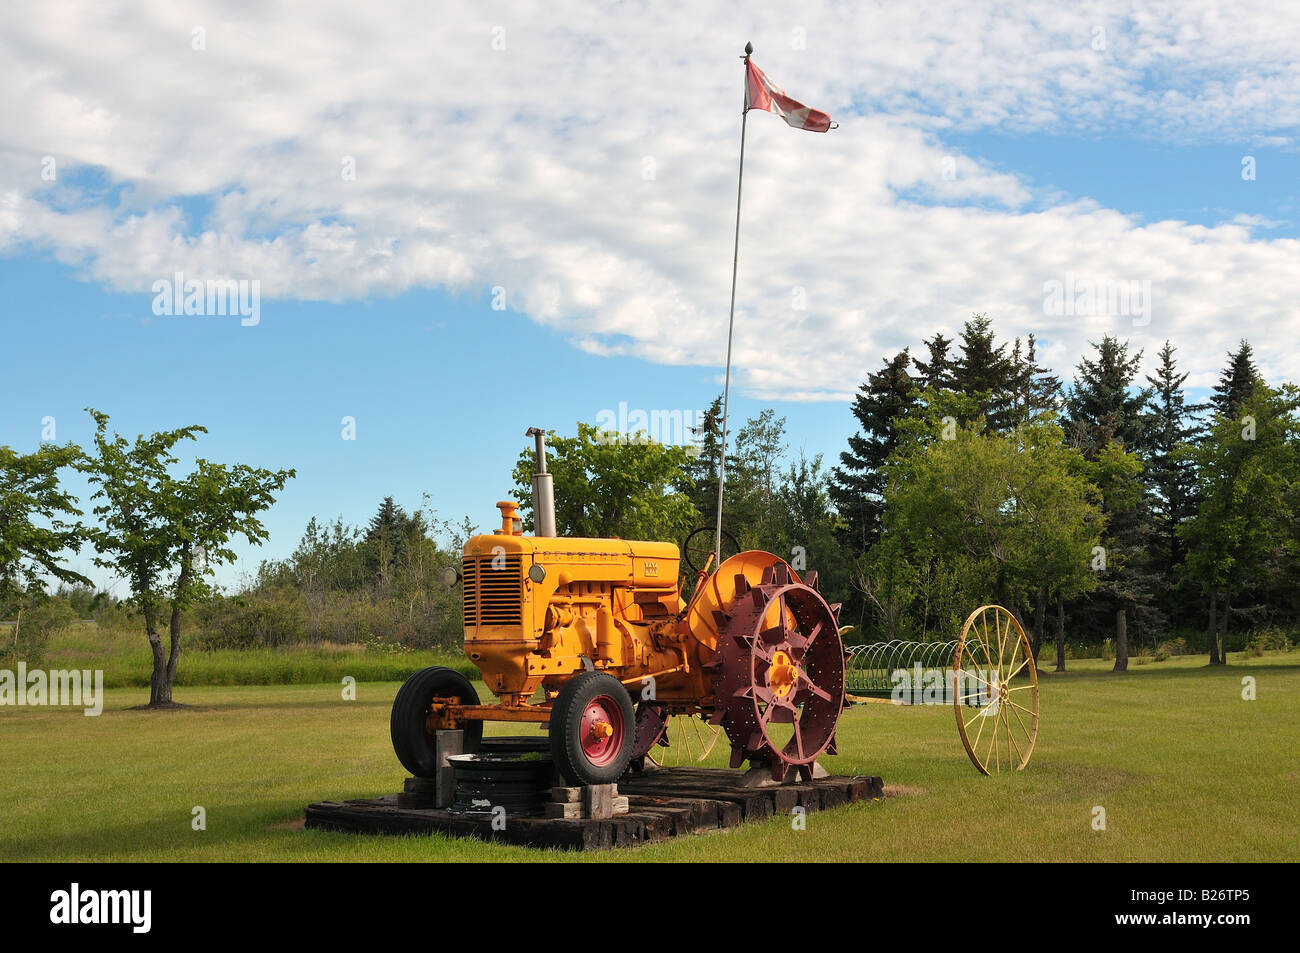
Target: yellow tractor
pixel 567 632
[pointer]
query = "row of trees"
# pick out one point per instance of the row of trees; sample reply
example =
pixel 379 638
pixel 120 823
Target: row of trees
pixel 1112 503
pixel 1115 498
pixel 389 583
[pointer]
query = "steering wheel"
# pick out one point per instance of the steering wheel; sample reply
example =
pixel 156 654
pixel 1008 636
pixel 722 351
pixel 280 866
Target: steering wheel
pixel 699 544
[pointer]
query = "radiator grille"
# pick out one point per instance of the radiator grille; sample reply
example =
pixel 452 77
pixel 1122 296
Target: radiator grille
pixel 493 590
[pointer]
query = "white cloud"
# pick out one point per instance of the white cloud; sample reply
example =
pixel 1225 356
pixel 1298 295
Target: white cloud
pixel 527 167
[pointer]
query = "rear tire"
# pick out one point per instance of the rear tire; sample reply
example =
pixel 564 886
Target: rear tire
pixel 592 729
pixel 413 741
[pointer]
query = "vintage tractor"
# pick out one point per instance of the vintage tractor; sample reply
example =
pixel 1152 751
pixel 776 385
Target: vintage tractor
pixel 567 632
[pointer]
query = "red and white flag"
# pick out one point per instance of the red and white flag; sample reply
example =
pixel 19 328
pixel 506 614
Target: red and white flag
pixel 762 93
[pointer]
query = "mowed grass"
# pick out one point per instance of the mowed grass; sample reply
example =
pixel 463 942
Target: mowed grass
pixel 1185 769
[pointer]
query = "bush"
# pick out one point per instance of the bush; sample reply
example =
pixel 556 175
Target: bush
pixel 240 623
pixel 1169 648
pixel 27 640
pixel 1267 639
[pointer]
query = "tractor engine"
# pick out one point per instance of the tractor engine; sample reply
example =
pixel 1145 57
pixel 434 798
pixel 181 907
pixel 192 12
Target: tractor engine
pixel 538 609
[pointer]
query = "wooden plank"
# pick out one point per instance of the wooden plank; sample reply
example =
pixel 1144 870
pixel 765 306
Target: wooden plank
pixel 660 805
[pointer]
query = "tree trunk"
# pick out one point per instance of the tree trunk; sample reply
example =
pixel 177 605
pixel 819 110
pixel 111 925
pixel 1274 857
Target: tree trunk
pixel 1227 620
pixel 1121 641
pixel 18 621
pixel 1040 622
pixel 1213 637
pixel 174 626
pixel 160 688
pixel 1060 634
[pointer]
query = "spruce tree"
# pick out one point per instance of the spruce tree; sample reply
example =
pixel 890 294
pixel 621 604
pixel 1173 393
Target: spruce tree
pixel 1170 474
pixel 1103 406
pixel 985 369
pixel 385 538
pixel 1107 421
pixel 1237 383
pixel 1044 394
pixel 858 483
pixel 936 373
pixel 702 470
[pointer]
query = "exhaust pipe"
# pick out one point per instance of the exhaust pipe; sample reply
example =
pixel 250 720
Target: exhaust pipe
pixel 543 489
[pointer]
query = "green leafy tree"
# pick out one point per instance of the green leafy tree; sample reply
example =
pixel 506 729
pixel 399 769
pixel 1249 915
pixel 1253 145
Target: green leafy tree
pixel 809 536
pixel 606 486
pixel 38 523
pixel 166 534
pixel 753 502
pixel 1008 517
pixel 1124 577
pixel 1244 532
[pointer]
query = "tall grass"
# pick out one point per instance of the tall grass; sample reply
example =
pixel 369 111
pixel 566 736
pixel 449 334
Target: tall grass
pixel 127 662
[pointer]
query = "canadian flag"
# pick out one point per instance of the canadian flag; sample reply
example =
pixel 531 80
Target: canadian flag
pixel 762 93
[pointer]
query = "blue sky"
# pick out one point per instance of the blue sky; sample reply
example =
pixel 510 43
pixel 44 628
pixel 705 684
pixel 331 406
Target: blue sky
pixel 586 164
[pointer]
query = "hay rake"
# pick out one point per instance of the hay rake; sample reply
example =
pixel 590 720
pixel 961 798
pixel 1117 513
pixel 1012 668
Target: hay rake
pixel 984 674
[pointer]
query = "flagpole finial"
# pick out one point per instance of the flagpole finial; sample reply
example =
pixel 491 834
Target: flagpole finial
pixel 749 48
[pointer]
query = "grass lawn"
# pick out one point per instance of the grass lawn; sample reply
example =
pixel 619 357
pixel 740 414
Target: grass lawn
pixel 1183 766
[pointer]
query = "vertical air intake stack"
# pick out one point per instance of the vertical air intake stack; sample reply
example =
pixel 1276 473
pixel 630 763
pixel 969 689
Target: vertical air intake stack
pixel 543 489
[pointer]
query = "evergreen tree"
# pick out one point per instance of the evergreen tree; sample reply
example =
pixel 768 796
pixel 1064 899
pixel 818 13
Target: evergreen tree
pixel 1237 383
pixel 1044 390
pixel 1107 421
pixel 986 372
pixel 1103 406
pixel 702 470
pixel 936 373
pixel 1171 474
pixel 858 484
pixel 385 539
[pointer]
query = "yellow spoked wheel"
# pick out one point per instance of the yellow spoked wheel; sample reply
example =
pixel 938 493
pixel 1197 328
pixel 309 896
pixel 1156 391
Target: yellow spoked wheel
pixel 690 739
pixel 996 691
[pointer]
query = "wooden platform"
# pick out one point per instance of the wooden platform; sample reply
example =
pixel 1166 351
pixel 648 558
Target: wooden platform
pixel 670 802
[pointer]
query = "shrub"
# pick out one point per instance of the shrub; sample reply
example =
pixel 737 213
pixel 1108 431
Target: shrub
pixel 27 640
pixel 1267 639
pixel 1169 648
pixel 238 623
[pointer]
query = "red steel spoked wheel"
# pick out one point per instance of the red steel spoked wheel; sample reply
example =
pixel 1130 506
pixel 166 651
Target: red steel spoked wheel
pixel 780 688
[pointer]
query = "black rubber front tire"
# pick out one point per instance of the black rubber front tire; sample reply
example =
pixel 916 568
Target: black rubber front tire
pixel 579 692
pixel 412 742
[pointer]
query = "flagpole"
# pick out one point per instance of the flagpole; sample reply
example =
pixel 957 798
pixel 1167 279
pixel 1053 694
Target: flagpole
pixel 731 318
